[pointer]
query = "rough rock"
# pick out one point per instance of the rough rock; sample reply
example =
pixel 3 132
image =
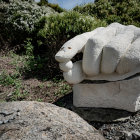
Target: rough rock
pixel 120 95
pixel 42 121
pixel 93 114
pixel 133 135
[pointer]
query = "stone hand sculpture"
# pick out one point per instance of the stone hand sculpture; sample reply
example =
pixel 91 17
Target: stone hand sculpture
pixel 109 53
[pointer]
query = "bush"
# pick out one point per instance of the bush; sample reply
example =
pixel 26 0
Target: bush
pixel 43 3
pixel 56 7
pixel 43 37
pixel 122 11
pixel 52 32
pixel 19 18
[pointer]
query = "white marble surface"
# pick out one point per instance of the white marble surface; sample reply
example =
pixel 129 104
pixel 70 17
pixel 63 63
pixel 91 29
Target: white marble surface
pixel 123 95
pixel 109 53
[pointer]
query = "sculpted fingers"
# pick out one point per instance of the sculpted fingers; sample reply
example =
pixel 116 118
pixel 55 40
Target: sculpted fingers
pixel 131 59
pixel 120 48
pixel 74 46
pixel 75 75
pixel 66 66
pixel 93 49
pixel 135 29
pixel 114 50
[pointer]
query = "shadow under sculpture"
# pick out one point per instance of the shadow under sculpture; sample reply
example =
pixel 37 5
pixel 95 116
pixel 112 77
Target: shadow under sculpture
pixel 110 54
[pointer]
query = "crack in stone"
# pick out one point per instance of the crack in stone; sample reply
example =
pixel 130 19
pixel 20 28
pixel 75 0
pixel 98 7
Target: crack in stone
pixel 3 131
pixel 46 129
pixel 105 81
pixel 6 114
pixel 8 117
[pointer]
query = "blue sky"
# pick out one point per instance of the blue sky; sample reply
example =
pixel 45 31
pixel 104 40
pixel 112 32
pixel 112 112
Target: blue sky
pixel 68 4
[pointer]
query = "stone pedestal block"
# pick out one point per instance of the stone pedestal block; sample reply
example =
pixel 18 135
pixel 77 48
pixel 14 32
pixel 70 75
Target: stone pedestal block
pixel 123 95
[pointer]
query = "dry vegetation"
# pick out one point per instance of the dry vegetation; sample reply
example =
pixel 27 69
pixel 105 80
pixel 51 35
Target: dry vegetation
pixel 14 85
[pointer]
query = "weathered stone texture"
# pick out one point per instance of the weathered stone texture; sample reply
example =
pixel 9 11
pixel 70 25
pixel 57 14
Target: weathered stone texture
pixel 120 95
pixel 42 121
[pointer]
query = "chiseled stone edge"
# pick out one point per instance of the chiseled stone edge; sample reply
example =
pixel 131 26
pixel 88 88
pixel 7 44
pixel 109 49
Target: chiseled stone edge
pixel 123 95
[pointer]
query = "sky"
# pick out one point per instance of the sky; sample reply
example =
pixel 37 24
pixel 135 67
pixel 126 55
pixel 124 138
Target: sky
pixel 68 4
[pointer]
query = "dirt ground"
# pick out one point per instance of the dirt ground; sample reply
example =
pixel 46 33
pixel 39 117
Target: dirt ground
pixel 31 89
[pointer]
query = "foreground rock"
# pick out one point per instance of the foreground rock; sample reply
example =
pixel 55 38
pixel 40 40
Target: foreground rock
pixel 42 121
pixel 133 135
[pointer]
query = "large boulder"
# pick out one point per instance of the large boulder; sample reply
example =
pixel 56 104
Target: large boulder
pixel 42 121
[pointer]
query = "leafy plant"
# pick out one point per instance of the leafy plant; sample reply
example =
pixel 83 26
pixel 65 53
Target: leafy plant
pixel 7 79
pixel 63 89
pixel 15 82
pixel 122 11
pixel 19 18
pixel 56 7
pixel 52 32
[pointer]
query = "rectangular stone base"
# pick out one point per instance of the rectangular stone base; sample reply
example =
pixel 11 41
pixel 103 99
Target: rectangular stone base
pixel 123 95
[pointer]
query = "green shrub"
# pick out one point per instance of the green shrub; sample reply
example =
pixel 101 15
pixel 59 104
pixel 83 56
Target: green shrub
pixel 42 32
pixel 122 11
pixel 43 3
pixel 56 7
pixel 52 32
pixel 19 18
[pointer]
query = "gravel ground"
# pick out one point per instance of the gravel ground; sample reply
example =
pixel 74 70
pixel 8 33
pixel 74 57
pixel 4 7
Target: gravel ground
pixel 120 130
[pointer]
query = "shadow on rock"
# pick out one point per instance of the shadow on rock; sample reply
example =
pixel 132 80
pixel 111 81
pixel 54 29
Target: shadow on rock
pixel 107 115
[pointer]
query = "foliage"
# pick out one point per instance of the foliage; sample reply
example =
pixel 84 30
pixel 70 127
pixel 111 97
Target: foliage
pixel 122 11
pixel 42 32
pixel 43 3
pixel 14 81
pixel 52 32
pixel 19 18
pixel 63 89
pixel 56 7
